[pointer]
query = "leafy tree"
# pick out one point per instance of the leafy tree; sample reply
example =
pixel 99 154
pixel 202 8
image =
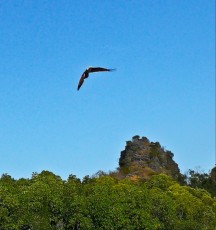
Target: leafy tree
pixel 198 179
pixel 102 202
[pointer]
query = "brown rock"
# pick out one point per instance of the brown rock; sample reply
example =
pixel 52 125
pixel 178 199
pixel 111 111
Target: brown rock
pixel 143 158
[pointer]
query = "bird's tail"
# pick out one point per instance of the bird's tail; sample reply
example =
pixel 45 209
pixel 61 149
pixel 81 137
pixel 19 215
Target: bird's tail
pixel 112 69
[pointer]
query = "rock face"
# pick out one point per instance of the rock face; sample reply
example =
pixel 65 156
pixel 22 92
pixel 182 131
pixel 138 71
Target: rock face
pixel 213 174
pixel 142 158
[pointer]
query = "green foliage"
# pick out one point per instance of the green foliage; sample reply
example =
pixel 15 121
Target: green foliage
pixel 197 179
pixel 102 202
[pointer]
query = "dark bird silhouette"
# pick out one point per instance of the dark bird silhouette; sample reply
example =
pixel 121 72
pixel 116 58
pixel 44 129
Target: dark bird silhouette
pixel 91 70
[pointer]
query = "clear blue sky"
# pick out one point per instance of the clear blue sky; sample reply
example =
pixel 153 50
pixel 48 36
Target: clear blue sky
pixel 164 86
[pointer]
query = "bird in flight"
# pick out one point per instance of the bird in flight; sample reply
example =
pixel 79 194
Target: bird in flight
pixel 91 70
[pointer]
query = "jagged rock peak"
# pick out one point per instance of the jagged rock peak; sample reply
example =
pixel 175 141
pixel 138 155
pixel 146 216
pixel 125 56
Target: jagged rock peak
pixel 143 158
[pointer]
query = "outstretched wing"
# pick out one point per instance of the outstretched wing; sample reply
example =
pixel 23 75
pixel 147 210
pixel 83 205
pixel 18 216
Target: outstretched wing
pixel 98 69
pixel 80 82
pixel 84 75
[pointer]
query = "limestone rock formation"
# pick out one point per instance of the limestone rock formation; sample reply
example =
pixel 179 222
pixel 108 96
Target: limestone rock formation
pixel 142 158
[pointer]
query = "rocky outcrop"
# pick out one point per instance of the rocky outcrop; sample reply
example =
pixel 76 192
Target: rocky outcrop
pixel 213 174
pixel 142 158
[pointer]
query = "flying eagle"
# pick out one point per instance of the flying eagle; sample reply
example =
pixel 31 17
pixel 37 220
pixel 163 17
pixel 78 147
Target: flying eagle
pixel 91 70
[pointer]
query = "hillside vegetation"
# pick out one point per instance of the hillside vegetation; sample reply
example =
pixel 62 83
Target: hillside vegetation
pixel 47 202
pixel 146 192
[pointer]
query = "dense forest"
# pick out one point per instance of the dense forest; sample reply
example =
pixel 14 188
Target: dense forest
pixel 104 202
